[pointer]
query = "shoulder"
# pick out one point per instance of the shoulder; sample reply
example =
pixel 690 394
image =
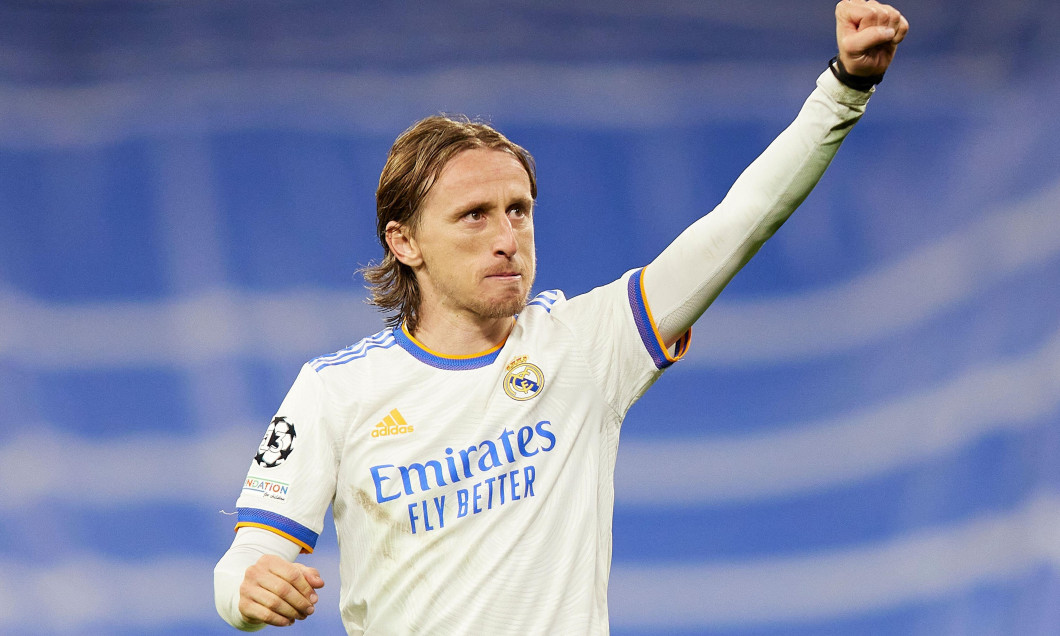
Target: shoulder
pixel 546 300
pixel 615 295
pixel 542 313
pixel 589 310
pixel 354 353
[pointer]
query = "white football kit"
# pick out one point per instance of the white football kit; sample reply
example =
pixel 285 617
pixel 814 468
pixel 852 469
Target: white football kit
pixel 474 495
pixel 471 495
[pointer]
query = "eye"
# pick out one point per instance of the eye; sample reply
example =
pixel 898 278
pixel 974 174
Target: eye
pixel 518 211
pixel 473 215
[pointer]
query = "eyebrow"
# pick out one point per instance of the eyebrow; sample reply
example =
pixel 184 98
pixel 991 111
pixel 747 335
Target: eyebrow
pixel 524 201
pixel 482 206
pixel 471 207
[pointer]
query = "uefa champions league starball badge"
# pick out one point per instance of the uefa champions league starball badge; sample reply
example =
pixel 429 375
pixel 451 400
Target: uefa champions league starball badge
pixel 277 444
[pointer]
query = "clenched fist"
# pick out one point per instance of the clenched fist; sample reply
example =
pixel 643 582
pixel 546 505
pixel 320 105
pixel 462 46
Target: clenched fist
pixel 278 592
pixel 868 34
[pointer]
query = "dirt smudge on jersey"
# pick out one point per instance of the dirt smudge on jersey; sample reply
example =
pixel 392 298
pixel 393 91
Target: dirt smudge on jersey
pixel 377 513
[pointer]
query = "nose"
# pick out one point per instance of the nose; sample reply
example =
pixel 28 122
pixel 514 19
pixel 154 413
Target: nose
pixel 504 242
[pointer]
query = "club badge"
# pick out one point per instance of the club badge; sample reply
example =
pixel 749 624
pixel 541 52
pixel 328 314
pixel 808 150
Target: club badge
pixel 523 380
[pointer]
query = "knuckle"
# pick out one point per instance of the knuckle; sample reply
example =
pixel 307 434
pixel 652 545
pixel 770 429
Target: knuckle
pixel 275 603
pixel 272 618
pixel 253 612
pixel 288 592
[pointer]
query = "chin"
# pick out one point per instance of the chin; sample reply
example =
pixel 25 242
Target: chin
pixel 502 307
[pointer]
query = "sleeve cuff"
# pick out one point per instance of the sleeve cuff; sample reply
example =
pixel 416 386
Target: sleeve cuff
pixel 279 524
pixel 649 330
pixel 841 93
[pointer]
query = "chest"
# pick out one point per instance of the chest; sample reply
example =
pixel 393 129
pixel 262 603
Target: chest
pixel 449 444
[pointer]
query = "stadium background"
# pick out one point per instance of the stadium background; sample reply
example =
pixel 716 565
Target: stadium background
pixel 864 439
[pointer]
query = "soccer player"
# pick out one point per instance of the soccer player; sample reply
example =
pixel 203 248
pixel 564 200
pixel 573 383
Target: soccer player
pixel 468 448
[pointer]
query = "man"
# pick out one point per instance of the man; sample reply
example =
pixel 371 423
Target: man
pixel 468 449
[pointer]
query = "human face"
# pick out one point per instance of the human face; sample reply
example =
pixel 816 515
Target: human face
pixel 473 245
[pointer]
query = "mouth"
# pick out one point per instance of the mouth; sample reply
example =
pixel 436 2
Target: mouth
pixel 506 279
pixel 504 276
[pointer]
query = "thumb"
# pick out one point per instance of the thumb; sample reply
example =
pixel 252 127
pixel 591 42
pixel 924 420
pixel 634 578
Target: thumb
pixel 312 576
pixel 868 38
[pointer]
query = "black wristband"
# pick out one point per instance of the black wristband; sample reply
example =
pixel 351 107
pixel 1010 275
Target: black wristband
pixel 857 82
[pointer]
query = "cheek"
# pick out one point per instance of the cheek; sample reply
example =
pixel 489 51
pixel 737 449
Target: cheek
pixel 453 252
pixel 526 239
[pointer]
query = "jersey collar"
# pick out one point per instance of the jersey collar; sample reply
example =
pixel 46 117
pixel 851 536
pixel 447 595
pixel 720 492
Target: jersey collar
pixel 441 361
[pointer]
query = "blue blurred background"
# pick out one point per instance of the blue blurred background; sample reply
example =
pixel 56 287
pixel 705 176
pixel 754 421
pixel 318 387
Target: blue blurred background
pixel 864 439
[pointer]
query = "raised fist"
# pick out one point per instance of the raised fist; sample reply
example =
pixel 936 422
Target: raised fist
pixel 868 34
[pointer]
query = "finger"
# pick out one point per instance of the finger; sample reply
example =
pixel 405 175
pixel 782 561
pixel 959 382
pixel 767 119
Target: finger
pixel 892 17
pixel 868 38
pixel 303 578
pixel 853 18
pixel 295 575
pixel 264 586
pixel 312 575
pixel 847 16
pixel 258 604
pixel 903 29
pixel 293 603
pixel 858 13
pixel 255 613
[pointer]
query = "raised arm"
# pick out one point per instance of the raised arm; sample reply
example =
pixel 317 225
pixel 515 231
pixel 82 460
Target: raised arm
pixel 686 278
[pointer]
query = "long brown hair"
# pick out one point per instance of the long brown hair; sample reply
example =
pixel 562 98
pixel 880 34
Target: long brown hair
pixel 415 160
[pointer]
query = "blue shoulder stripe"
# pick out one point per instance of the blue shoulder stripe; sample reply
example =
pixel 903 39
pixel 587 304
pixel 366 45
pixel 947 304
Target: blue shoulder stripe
pixel 382 340
pixel 545 300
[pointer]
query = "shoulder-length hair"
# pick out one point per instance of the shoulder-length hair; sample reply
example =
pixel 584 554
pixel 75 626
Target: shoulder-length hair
pixel 415 160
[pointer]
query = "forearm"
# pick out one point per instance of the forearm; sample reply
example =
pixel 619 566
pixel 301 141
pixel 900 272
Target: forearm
pixel 249 545
pixel 686 278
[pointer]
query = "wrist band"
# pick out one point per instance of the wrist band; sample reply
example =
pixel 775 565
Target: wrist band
pixel 857 82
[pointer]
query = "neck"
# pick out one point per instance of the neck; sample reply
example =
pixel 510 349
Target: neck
pixel 455 335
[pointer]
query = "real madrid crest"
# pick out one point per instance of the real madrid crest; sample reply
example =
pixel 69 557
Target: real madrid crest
pixel 523 379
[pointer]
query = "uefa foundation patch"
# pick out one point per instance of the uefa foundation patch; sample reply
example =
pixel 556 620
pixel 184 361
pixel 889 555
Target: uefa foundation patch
pixel 266 488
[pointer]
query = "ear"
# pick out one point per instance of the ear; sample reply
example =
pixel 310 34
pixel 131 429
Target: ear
pixel 402 245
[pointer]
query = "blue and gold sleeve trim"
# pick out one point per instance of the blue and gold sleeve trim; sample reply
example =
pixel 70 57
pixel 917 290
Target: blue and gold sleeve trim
pixel 281 525
pixel 649 331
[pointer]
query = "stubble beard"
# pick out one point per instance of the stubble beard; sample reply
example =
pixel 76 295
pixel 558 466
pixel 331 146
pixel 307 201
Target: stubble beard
pixel 506 307
pixel 503 309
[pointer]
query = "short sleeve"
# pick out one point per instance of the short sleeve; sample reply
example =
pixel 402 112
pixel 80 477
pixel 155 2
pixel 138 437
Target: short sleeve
pixel 619 336
pixel 292 477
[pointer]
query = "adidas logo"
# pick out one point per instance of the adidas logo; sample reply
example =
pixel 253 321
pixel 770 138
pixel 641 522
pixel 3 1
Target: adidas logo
pixel 392 424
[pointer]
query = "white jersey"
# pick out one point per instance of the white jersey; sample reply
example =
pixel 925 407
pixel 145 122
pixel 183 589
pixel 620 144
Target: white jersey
pixel 474 495
pixel 470 494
